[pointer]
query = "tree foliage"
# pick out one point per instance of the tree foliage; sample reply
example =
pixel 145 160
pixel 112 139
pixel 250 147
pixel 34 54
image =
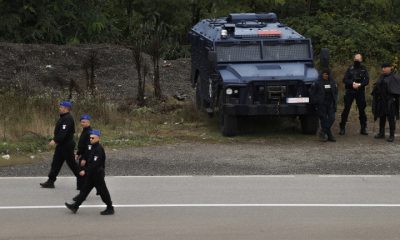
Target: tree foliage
pixel 343 26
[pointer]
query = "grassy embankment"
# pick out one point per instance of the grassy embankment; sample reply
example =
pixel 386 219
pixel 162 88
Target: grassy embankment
pixel 26 123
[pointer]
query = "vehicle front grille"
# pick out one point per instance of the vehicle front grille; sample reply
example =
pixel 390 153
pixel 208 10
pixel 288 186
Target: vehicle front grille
pixel 272 93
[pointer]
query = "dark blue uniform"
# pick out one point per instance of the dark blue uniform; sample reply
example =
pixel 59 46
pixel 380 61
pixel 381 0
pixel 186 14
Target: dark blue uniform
pixel 95 174
pixel 385 105
pixel 64 152
pixel 358 74
pixel 324 97
pixel 83 149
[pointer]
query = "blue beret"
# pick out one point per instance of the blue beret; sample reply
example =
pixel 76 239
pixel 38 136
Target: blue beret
pixel 384 65
pixel 66 104
pixel 85 117
pixel 95 132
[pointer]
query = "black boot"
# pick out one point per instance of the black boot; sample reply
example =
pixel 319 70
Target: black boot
pixel 48 184
pixel 109 211
pixel 381 134
pixel 342 130
pixel 391 136
pixel 331 138
pixel 363 131
pixel 72 206
pixel 322 136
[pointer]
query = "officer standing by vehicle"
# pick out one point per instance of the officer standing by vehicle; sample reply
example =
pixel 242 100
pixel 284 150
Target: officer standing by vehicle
pixel 324 94
pixel 95 174
pixel 385 104
pixel 83 146
pixel 64 141
pixel 355 80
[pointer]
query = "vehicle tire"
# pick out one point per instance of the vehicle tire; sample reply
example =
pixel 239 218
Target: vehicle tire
pixel 198 100
pixel 309 124
pixel 229 125
pixel 324 58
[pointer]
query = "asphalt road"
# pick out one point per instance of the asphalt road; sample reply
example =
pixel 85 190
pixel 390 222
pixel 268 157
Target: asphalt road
pixel 208 207
pixel 350 155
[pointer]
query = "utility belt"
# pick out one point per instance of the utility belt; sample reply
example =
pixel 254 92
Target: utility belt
pixel 97 173
pixel 68 143
pixel 349 88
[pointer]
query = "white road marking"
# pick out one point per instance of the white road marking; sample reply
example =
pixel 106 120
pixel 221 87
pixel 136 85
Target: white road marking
pixel 208 205
pixel 71 177
pixel 254 176
pixel 222 176
pixel 355 176
pixel 33 177
pixel 176 176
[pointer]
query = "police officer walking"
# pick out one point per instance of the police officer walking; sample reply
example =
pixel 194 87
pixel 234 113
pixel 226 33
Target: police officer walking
pixel 355 80
pixel 95 174
pixel 324 94
pixel 64 141
pixel 385 104
pixel 83 146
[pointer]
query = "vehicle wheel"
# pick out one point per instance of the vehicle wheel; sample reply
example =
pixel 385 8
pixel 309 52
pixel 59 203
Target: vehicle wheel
pixel 199 101
pixel 324 58
pixel 228 123
pixel 309 124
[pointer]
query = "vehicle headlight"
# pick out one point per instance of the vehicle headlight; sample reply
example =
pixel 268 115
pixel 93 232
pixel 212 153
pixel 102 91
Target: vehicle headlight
pixel 229 91
pixel 224 33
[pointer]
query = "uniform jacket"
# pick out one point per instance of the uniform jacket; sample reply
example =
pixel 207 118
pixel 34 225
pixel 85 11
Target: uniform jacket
pixel 84 142
pixel 317 91
pixel 358 75
pixel 96 160
pixel 384 101
pixel 64 130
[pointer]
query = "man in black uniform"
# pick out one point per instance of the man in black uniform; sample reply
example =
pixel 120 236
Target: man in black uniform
pixel 64 141
pixel 83 146
pixel 324 94
pixel 94 172
pixel 355 80
pixel 385 103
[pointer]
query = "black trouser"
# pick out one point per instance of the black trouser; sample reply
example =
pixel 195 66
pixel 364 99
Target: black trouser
pixel 91 181
pixel 326 114
pixel 390 114
pixel 349 97
pixel 63 153
pixel 392 123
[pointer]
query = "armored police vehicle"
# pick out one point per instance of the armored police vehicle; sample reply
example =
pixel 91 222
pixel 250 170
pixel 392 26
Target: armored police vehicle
pixel 250 64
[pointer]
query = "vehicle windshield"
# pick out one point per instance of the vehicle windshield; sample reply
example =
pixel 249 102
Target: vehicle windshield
pixel 269 51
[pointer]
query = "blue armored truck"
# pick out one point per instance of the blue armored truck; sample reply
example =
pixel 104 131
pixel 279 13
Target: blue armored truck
pixel 250 64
